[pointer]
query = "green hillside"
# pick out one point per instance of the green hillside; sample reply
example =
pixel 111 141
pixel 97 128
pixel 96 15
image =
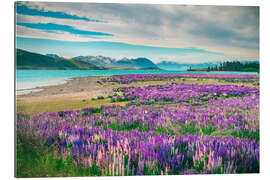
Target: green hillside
pixel 29 60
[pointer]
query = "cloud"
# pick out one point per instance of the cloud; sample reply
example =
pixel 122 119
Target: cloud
pixel 231 30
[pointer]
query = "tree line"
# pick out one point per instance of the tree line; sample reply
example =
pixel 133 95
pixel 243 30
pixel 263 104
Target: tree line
pixel 236 66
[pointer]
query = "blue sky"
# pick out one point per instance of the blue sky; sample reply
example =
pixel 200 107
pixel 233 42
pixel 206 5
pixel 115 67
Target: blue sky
pixel 24 10
pixel 51 27
pixel 177 33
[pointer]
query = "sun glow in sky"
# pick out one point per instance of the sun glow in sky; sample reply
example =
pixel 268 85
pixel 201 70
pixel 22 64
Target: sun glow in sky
pixel 180 33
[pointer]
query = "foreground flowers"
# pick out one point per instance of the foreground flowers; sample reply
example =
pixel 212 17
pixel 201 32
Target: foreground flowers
pixel 124 79
pixel 164 129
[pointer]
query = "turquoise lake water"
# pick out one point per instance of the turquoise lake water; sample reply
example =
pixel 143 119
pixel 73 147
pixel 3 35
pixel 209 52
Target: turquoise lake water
pixel 27 80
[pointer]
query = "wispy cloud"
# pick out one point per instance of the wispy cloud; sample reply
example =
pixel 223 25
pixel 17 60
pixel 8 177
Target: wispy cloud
pixel 222 29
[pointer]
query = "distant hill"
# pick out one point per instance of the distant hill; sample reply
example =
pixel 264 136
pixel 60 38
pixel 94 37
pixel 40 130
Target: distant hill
pixel 124 63
pixel 136 63
pixel 169 65
pixel 29 60
pixel 97 60
pixel 53 55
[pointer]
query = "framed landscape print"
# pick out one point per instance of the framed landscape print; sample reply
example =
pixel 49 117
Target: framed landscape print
pixel 109 89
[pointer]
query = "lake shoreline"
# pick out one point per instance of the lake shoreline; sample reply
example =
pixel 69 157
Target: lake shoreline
pixel 74 91
pixel 69 86
pixel 32 79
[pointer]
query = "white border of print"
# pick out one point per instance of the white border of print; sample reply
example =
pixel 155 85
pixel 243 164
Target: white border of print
pixel 7 87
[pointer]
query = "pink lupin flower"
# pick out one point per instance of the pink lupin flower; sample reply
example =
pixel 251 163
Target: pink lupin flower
pixel 205 165
pixel 75 163
pixel 219 161
pixel 55 153
pixel 123 170
pixel 90 161
pixel 120 166
pixel 116 168
pixel 204 148
pixel 110 169
pixel 99 157
pixel 166 171
pixel 210 162
pixel 113 168
pixel 142 164
pixel 85 163
pixel 194 160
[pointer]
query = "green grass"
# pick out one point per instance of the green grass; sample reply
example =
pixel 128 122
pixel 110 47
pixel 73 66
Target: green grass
pixel 238 134
pixel 208 130
pixel 164 130
pixel 189 128
pixel 36 160
pixel 60 105
pixel 124 126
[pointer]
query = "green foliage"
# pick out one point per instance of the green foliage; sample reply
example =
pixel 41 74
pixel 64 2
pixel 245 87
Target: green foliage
pixel 182 147
pixel 36 160
pixel 189 128
pixel 164 130
pixel 99 82
pixel 255 135
pixel 239 66
pixel 143 128
pixel 208 130
pixel 199 166
pixel 247 134
pixel 222 133
pixel 233 66
pixel 115 127
pixel 124 126
pixel 195 104
pixel 100 97
pixel 204 99
pixel 93 111
pixel 134 104
pixel 134 125
pixel 61 114
pixel 98 122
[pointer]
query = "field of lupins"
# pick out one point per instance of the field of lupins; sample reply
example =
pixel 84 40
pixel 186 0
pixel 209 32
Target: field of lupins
pixel 166 129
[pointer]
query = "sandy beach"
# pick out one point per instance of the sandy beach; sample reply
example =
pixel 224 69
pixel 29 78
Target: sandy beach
pixel 69 95
pixel 76 93
pixel 74 88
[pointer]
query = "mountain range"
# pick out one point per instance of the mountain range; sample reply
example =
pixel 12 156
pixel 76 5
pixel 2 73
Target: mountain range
pixel 96 60
pixel 141 63
pixel 137 63
pixel 30 60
